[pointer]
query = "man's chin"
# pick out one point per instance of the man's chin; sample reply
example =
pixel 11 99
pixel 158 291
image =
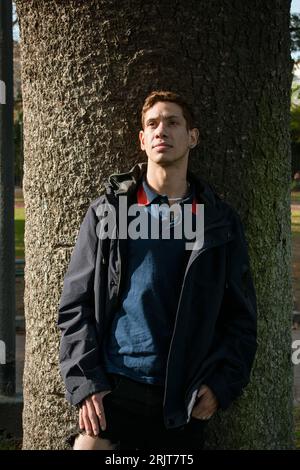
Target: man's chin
pixel 164 160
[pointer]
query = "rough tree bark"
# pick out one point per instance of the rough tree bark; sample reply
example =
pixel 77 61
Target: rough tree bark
pixel 86 68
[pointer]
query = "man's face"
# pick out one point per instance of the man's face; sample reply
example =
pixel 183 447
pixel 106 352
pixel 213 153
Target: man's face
pixel 165 137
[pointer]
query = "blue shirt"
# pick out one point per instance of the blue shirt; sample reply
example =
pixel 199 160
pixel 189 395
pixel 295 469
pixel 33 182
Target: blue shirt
pixel 138 343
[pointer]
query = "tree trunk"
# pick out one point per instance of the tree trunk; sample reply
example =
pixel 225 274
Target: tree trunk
pixel 86 69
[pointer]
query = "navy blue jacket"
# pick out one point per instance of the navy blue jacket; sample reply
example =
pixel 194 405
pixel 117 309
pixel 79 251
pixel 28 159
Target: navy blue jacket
pixel 214 336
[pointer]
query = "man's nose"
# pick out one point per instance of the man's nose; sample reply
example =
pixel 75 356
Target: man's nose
pixel 161 129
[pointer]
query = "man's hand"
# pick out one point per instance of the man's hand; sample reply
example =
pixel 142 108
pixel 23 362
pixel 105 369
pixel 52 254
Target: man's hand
pixel 207 405
pixel 91 414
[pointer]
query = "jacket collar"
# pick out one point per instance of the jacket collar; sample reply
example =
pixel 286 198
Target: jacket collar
pixel 216 213
pixel 122 183
pixel 125 183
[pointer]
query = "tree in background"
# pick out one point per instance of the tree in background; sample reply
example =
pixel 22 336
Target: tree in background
pixel 295 114
pixel 295 106
pixel 86 68
pixel 295 131
pixel 295 32
pixel 18 143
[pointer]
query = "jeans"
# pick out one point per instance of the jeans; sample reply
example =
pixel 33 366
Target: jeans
pixel 134 419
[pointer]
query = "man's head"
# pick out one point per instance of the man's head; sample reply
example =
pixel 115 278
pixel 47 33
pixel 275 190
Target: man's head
pixel 168 128
pixel 161 96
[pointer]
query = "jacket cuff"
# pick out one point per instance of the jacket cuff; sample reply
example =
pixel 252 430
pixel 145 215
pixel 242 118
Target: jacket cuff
pixel 219 387
pixel 89 387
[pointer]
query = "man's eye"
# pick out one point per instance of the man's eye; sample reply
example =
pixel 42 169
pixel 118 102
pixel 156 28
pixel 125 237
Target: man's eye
pixel 173 123
pixel 151 124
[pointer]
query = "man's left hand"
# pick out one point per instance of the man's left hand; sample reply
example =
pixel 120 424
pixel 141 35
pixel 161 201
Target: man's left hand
pixel 207 404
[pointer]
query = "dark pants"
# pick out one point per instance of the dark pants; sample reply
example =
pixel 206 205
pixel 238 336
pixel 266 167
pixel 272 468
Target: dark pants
pixel 134 419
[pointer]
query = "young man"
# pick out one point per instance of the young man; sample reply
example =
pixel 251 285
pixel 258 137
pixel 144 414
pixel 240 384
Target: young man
pixel 156 337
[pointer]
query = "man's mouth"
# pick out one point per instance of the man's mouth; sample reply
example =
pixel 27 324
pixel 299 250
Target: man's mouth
pixel 162 145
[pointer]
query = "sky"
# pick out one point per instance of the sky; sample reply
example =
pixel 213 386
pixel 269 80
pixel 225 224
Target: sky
pixel 295 6
pixel 16 27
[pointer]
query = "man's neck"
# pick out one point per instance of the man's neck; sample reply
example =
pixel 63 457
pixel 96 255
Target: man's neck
pixel 169 180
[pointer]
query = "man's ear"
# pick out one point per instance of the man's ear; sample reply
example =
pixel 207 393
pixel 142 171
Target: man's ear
pixel 142 140
pixel 194 137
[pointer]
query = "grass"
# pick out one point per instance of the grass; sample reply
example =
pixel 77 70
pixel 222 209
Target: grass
pixel 295 197
pixel 295 213
pixel 295 221
pixel 19 231
pixel 8 442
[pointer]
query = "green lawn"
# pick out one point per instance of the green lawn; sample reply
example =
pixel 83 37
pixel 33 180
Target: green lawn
pixel 296 221
pixel 19 231
pixel 10 444
pixel 295 197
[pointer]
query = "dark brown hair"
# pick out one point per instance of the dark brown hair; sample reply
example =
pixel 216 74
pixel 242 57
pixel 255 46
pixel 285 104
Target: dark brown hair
pixel 156 96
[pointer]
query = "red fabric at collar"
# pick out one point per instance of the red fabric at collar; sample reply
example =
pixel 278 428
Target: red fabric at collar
pixel 142 199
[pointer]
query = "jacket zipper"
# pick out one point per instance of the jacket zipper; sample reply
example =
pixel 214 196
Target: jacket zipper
pixel 179 302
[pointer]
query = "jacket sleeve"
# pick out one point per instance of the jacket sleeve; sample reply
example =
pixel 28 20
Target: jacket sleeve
pixel 80 361
pixel 238 320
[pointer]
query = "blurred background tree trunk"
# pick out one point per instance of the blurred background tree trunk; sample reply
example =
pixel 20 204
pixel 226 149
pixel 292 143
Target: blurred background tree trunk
pixel 86 69
pixel 7 229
